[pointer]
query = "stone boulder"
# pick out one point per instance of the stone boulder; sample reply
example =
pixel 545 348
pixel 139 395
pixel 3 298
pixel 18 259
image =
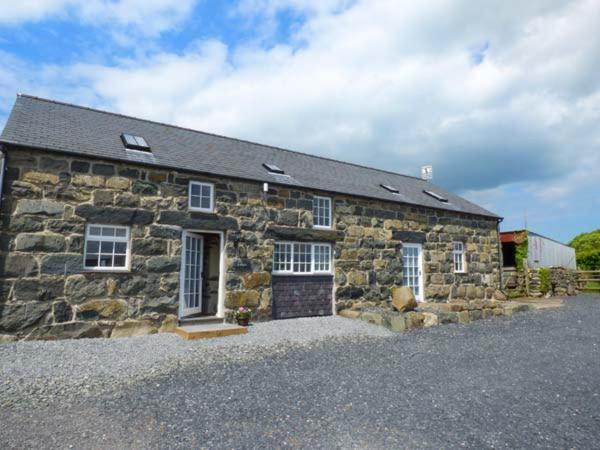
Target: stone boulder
pixel 499 295
pixel 68 330
pixel 131 327
pixel 403 299
pixel 98 309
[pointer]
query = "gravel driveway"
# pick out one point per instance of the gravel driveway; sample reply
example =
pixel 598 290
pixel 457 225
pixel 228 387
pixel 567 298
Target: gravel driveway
pixel 528 381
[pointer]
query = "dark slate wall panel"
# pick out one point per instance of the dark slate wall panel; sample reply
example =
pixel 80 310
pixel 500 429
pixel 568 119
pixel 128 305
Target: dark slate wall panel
pixel 302 296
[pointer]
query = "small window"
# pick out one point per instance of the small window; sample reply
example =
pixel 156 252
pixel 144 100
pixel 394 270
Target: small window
pixel 299 258
pixel 322 212
pixel 391 189
pixel 135 142
pixel 106 248
pixel 302 258
pixel 282 257
pixel 273 168
pixel 436 196
pixel 322 257
pixel 201 196
pixel 459 257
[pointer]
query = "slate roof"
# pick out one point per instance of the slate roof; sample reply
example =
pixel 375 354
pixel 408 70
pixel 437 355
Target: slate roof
pixel 61 127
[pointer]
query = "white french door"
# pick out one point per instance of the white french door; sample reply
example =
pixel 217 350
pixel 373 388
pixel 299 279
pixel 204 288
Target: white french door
pixel 412 269
pixel 191 274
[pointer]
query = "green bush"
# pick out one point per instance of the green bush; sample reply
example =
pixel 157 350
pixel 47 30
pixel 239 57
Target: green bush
pixel 587 249
pixel 589 260
pixel 520 255
pixel 544 280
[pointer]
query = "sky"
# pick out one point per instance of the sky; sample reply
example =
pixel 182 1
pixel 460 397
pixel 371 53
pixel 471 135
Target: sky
pixel 502 97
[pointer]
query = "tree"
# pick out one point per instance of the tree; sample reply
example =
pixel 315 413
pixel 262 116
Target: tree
pixel 587 249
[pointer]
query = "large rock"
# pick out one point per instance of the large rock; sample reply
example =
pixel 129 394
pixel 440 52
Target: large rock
pixel 130 327
pixel 40 242
pixel 68 330
pixel 79 288
pixel 499 295
pixel 62 263
pixel 102 309
pixel 34 289
pixel 18 265
pixel 47 207
pixel 403 299
pixel 235 299
pixel 429 320
pixel 15 317
pixel 168 324
pixel 120 216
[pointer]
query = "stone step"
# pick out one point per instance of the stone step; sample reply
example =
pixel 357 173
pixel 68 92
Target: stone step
pixel 200 320
pixel 209 330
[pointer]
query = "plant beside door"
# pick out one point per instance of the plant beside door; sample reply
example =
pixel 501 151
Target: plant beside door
pixel 242 315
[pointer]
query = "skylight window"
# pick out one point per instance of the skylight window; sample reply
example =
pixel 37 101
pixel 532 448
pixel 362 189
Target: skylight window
pixel 391 189
pixel 273 168
pixel 135 142
pixel 436 196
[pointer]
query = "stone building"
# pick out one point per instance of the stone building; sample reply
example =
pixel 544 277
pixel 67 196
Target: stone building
pixel 111 222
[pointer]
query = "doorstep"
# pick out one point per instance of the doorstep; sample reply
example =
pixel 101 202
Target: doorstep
pixel 209 330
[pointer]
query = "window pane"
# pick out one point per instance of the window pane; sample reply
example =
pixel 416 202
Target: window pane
pixel 95 231
pixel 108 231
pixel 205 203
pixel 195 190
pixel 120 260
pixel 91 260
pixel 195 202
pixel 106 247
pixel 121 232
pixel 121 247
pixel 205 191
pixel 105 260
pixel 93 246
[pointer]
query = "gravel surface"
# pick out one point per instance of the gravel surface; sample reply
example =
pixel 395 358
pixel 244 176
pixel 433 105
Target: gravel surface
pixel 528 381
pixel 38 371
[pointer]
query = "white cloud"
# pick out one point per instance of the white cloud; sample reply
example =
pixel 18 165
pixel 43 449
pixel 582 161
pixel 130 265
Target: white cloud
pixel 392 84
pixel 147 17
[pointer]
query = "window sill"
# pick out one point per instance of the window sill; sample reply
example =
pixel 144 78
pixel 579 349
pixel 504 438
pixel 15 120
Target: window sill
pixel 321 227
pixel 201 210
pixel 303 274
pixel 106 270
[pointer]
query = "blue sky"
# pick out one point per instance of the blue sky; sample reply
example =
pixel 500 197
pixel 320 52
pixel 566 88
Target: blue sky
pixel 504 101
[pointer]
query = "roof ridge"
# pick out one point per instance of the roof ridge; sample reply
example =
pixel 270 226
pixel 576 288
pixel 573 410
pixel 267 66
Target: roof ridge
pixel 58 102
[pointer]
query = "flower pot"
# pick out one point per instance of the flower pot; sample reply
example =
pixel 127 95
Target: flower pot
pixel 243 321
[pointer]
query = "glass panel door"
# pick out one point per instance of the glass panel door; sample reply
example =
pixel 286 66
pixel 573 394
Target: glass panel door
pixel 412 273
pixel 191 289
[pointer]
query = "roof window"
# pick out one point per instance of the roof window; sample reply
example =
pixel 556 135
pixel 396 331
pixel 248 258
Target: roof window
pixel 436 196
pixel 135 142
pixel 273 168
pixel 391 189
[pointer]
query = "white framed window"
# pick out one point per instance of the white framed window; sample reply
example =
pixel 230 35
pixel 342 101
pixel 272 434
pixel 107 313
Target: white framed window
pixel 107 248
pixel 282 257
pixel 322 212
pixel 322 257
pixel 201 196
pixel 301 258
pixel 458 253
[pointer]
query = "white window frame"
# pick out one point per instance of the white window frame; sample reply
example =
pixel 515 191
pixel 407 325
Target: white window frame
pixel 126 239
pixel 312 260
pixel 330 216
pixel 459 254
pixel 212 196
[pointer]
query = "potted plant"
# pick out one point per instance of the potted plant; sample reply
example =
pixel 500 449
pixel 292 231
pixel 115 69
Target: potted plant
pixel 242 315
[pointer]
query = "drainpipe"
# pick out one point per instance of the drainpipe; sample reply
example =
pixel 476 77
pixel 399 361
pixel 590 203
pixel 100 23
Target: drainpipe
pixel 500 258
pixel 2 166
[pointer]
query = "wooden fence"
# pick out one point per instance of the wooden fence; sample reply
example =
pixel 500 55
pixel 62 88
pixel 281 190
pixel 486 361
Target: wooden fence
pixel 588 280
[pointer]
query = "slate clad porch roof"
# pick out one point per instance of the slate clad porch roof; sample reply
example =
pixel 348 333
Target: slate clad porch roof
pixel 62 127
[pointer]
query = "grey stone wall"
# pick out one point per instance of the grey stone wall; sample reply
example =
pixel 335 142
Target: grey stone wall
pixel 48 199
